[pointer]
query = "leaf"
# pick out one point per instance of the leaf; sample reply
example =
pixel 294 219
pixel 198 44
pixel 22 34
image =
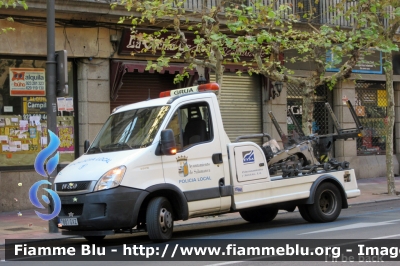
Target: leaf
pixel 215 37
pixel 373 9
pixel 397 12
pixel 23 4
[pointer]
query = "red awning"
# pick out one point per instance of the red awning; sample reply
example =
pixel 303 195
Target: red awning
pixel 118 69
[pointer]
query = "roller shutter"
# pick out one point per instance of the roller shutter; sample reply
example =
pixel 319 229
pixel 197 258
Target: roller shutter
pixel 241 105
pixel 136 87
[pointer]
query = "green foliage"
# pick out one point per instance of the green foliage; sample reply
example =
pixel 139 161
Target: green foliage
pixel 13 4
pixel 254 36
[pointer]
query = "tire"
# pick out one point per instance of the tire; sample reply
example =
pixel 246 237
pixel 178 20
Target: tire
pixel 305 214
pixel 259 215
pixel 327 204
pixel 327 167
pixel 159 219
pixel 345 165
pixel 94 238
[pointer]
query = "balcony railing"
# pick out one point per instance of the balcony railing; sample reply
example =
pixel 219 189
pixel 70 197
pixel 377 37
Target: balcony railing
pixel 323 11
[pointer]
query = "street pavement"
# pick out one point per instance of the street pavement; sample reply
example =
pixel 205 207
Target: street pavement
pixel 25 224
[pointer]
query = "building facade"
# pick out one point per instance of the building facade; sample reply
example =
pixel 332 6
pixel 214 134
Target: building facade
pixel 102 76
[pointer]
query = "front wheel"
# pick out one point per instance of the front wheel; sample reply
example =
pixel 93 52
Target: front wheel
pixel 327 204
pixel 159 219
pixel 259 215
pixel 304 213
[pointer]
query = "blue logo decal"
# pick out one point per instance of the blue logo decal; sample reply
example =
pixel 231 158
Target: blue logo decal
pixel 50 167
pixel 35 201
pixel 248 157
pixel 238 189
pixel 45 153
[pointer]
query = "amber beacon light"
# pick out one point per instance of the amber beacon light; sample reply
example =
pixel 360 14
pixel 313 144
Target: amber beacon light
pixel 213 86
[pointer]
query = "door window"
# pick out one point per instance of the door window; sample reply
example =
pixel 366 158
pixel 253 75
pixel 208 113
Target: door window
pixel 191 125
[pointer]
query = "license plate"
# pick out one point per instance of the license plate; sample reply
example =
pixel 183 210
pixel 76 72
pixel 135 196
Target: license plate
pixel 69 221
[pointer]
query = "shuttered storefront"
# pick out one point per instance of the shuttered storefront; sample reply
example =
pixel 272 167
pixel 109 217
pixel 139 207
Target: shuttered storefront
pixel 136 87
pixel 241 105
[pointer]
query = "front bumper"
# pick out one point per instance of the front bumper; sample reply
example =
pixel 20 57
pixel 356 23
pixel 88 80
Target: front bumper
pixel 103 210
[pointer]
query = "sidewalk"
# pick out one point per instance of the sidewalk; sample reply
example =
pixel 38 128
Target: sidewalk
pixel 27 225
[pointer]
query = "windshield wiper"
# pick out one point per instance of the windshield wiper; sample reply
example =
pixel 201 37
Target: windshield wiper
pixel 117 146
pixel 94 149
pixel 123 144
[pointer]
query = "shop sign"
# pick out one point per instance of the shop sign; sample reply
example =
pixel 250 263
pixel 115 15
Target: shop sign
pixel 27 82
pixel 133 43
pixel 370 63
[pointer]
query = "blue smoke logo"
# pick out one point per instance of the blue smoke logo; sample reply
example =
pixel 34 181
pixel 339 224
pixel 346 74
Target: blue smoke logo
pixel 50 167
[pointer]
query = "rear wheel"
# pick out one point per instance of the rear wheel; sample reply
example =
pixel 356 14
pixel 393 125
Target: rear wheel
pixel 159 220
pixel 327 204
pixel 259 215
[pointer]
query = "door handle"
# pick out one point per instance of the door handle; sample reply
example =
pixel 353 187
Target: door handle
pixel 217 158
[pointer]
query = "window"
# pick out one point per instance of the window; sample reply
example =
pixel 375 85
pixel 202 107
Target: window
pixel 371 109
pixel 23 113
pixel 191 124
pixel 133 129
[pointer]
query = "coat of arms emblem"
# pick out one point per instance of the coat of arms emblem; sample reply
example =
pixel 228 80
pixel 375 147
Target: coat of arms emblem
pixel 183 166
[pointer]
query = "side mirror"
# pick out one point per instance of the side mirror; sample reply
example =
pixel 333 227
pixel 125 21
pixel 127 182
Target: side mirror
pixel 86 145
pixel 168 145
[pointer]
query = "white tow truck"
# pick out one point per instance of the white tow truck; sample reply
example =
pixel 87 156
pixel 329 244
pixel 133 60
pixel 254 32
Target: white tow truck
pixel 169 159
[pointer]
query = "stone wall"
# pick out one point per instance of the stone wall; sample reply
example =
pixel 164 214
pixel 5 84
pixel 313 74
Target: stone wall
pixel 93 98
pixel 14 190
pixel 278 106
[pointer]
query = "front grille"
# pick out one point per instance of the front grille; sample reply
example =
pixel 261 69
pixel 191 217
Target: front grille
pixel 73 186
pixel 76 209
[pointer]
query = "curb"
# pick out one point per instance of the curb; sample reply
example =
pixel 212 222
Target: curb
pixel 375 201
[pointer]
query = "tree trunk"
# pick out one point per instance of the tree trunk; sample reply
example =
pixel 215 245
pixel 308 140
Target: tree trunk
pixel 308 109
pixel 219 73
pixel 389 124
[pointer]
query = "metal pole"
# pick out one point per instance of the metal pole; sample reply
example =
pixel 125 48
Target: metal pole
pixel 51 86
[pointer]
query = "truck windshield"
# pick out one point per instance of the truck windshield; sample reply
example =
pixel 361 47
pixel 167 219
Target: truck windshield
pixel 133 129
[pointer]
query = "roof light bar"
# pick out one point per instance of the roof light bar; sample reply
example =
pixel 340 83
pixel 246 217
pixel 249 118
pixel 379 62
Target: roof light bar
pixel 203 87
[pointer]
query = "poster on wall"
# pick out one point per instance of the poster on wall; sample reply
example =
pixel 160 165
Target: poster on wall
pixel 27 82
pixel 60 104
pixel 33 107
pixel 382 98
pixel 65 104
pixel 69 104
pixel 66 135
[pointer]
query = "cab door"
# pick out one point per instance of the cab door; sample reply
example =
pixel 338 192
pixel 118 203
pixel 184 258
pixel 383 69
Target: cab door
pixel 197 168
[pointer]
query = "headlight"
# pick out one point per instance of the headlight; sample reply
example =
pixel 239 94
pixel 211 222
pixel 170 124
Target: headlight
pixel 111 179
